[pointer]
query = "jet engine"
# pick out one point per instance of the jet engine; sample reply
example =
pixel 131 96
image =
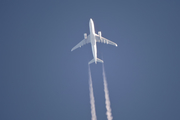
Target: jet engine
pixel 99 33
pixel 85 35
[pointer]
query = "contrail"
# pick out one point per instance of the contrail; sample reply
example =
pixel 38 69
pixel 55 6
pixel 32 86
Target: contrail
pixel 92 101
pixel 107 100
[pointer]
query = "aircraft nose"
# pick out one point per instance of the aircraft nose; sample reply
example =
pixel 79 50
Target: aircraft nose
pixel 90 20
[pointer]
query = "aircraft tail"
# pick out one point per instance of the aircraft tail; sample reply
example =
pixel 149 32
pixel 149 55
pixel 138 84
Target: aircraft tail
pixel 98 60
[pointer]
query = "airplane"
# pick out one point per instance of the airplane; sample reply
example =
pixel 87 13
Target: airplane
pixel 93 38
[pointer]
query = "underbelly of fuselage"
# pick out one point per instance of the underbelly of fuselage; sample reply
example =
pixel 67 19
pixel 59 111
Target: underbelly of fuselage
pixel 94 50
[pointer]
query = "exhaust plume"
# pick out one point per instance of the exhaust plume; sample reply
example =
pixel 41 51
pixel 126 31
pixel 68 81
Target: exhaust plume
pixel 92 101
pixel 107 100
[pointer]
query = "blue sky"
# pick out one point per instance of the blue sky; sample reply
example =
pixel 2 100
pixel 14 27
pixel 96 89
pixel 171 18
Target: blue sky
pixel 40 78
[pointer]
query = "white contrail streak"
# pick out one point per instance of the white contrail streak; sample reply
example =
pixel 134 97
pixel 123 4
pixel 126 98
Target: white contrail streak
pixel 92 101
pixel 107 100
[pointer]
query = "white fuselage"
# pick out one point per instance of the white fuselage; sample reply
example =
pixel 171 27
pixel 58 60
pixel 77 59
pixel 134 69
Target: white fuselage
pixel 93 40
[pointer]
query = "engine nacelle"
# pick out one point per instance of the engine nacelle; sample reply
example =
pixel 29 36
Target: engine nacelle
pixel 99 33
pixel 85 35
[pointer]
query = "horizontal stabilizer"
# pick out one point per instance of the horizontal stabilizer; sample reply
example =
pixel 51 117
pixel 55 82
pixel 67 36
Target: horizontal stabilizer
pixel 91 61
pixel 98 60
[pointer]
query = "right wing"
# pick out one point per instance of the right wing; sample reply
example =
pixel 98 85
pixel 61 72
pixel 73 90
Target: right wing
pixel 104 40
pixel 83 42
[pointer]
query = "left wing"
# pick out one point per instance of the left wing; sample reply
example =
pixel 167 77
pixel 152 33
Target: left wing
pixel 83 42
pixel 104 40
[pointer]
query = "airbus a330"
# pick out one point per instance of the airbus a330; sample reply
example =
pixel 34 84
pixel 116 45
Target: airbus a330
pixel 93 38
